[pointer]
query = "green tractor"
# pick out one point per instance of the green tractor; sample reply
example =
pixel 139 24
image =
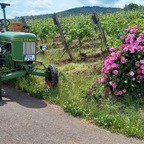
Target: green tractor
pixel 18 55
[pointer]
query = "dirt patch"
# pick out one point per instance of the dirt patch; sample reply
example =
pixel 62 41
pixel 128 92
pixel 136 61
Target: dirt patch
pixel 85 58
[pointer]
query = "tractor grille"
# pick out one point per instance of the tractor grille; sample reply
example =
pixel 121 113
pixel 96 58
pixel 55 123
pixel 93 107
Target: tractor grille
pixel 29 48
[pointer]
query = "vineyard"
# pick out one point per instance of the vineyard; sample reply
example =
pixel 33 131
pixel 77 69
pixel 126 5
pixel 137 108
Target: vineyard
pixel 81 27
pixel 79 91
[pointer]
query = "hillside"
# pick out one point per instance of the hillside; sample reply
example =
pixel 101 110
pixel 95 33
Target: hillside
pixel 87 10
pixel 81 11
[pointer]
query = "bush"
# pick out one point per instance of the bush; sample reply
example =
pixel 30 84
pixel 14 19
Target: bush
pixel 123 69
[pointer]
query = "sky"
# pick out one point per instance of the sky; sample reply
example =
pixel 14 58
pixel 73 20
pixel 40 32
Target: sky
pixel 19 8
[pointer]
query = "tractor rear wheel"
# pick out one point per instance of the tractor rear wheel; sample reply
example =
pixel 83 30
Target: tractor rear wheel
pixel 52 79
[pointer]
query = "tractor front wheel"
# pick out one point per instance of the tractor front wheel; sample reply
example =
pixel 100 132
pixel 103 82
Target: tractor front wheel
pixel 52 79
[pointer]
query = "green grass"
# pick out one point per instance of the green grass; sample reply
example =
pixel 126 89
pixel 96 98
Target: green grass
pixel 123 115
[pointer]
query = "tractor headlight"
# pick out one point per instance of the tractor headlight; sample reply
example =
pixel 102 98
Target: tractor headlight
pixel 43 47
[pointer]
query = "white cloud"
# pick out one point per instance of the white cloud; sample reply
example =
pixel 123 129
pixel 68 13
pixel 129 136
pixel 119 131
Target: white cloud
pixel 37 3
pixel 96 2
pixel 12 2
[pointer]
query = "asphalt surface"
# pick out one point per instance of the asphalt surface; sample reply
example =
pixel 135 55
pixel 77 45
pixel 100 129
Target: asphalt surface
pixel 27 120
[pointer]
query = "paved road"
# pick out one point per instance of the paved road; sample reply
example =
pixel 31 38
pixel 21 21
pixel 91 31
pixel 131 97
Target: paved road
pixel 27 120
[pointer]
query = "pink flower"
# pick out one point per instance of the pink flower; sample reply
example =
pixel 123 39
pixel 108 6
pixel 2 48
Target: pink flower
pixel 131 73
pixel 93 84
pixel 94 66
pixel 136 27
pixel 90 92
pixel 110 82
pixel 142 66
pixel 139 48
pixel 114 65
pixel 112 49
pixel 137 64
pixel 114 85
pixel 104 70
pixel 140 77
pixel 102 80
pixel 122 37
pixel 123 60
pixel 138 71
pixel 108 67
pixel 125 49
pixel 127 40
pixel 134 30
pixel 114 56
pixel 119 93
pixel 142 71
pixel 142 61
pixel 118 53
pixel 111 61
pixel 127 30
pixel 124 90
pixel 115 72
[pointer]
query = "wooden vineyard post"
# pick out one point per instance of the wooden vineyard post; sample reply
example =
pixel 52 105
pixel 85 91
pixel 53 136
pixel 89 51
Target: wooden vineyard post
pixel 66 48
pixel 0 88
pixel 95 20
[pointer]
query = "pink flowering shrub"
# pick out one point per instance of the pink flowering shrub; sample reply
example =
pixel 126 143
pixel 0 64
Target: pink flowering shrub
pixel 123 69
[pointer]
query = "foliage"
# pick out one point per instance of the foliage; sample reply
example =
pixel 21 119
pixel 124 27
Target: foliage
pixel 131 6
pixel 81 27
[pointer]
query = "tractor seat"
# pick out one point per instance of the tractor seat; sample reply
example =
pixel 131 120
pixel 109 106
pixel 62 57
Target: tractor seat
pixel 19 27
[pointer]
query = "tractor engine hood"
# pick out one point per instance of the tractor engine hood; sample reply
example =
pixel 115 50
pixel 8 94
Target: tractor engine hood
pixel 16 36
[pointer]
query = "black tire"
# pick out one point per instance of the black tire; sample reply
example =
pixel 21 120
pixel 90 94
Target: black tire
pixel 52 79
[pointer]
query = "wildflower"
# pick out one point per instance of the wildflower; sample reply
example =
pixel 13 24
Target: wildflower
pixel 114 65
pixel 125 81
pixel 118 53
pixel 110 82
pixel 115 72
pixel 137 64
pixel 131 73
pixel 142 66
pixel 114 85
pixel 94 66
pixel 112 49
pixel 142 71
pixel 122 37
pixel 142 61
pixel 125 49
pixel 138 71
pixel 124 90
pixel 102 80
pixel 136 27
pixel 113 56
pixel 133 79
pixel 123 60
pixel 140 77
pixel 93 84
pixel 90 92
pixel 119 93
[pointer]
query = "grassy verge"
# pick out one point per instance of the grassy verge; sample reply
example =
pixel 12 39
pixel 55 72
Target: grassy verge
pixel 124 115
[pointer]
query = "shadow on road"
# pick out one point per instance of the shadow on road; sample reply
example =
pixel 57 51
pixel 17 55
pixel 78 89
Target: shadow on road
pixel 11 94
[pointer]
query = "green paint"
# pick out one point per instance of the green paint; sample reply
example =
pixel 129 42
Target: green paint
pixel 16 39
pixel 13 75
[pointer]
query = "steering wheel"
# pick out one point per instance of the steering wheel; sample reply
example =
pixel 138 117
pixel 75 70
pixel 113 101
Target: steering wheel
pixel 2 23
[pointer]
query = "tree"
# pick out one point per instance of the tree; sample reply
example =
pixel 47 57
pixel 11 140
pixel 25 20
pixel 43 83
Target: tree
pixel 131 6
